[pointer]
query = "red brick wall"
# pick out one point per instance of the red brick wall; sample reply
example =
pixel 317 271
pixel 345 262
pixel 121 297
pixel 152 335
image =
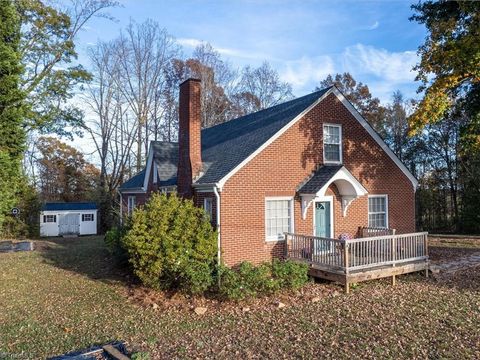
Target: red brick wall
pixel 189 141
pixel 279 169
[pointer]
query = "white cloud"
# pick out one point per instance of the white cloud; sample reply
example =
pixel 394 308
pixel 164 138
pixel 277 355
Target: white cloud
pixel 375 25
pixel 394 67
pixel 229 52
pixel 307 71
pixel 189 42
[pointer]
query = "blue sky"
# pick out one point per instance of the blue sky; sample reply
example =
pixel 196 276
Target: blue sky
pixel 303 40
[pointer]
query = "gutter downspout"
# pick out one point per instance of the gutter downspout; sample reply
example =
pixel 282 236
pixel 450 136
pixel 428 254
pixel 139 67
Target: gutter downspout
pixel 217 195
pixel 121 206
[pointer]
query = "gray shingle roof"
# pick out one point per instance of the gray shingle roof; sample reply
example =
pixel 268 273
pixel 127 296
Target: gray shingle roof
pixel 69 206
pixel 226 145
pixel 134 182
pixel 166 158
pixel 318 179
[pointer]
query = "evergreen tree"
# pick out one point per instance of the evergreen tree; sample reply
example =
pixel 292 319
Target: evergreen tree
pixel 12 137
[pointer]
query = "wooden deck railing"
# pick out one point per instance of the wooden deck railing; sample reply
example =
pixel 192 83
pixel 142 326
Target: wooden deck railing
pixel 357 254
pixel 368 231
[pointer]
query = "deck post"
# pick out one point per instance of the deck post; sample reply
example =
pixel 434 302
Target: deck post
pixel 425 242
pixel 346 246
pixel 287 244
pixel 394 256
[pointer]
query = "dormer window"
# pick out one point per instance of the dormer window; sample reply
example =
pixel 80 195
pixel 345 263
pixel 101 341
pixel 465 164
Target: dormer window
pixel 332 144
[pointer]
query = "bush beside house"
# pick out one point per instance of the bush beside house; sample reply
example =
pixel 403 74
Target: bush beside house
pixel 171 244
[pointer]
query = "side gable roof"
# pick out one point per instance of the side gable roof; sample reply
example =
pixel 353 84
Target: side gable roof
pixel 227 147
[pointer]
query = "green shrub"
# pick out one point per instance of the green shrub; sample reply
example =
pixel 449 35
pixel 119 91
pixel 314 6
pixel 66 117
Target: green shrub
pixel 231 286
pixel 171 244
pixel 249 281
pixel 113 238
pixel 289 274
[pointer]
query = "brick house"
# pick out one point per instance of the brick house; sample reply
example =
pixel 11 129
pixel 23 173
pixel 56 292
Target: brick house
pixel 311 165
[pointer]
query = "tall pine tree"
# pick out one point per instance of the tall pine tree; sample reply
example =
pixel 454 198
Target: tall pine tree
pixel 12 136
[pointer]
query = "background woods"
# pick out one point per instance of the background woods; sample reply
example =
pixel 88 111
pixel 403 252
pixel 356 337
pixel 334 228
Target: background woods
pixel 126 95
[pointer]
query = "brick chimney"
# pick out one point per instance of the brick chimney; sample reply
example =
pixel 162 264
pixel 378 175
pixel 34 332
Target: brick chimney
pixel 189 140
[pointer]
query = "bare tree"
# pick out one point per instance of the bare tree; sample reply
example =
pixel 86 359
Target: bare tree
pixel 143 53
pixel 260 88
pixel 109 125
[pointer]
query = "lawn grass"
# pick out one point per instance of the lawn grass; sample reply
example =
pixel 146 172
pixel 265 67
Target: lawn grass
pixel 71 295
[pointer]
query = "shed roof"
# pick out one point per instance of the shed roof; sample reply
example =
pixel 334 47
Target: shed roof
pixel 69 206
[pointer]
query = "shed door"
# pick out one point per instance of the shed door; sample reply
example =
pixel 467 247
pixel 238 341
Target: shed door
pixel 69 224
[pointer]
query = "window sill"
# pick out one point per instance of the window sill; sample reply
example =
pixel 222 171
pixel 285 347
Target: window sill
pixel 274 240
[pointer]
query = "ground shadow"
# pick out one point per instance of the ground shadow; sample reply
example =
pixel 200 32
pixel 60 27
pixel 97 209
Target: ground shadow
pixel 87 256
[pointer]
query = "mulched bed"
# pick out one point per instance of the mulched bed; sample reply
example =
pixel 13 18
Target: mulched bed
pixel 177 302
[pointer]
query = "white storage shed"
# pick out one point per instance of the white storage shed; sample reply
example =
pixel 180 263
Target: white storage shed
pixel 73 218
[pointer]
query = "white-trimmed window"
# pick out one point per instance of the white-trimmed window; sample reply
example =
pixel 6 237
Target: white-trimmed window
pixel 49 218
pixel 378 211
pixel 332 144
pixel 87 217
pixel 278 217
pixel 130 204
pixel 208 207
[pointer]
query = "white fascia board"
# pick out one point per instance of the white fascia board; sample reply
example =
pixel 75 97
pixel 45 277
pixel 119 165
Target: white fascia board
pixel 132 191
pixel 279 133
pixel 375 136
pixel 148 166
pixel 205 187
pixel 344 174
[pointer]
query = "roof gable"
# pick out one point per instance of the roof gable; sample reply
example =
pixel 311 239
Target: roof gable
pixel 228 145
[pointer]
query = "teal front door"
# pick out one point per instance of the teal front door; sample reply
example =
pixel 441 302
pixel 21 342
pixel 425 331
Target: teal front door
pixel 322 226
pixel 322 219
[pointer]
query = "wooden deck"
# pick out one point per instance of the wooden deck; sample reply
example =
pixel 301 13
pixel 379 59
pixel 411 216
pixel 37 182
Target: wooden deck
pixel 356 260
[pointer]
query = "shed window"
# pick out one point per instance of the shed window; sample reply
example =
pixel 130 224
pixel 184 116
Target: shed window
pixel 278 217
pixel 332 144
pixel 87 217
pixel 49 218
pixel 130 204
pixel 378 211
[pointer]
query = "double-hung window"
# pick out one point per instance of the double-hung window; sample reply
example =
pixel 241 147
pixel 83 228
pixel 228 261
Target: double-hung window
pixel 130 204
pixel 278 217
pixel 378 211
pixel 332 144
pixel 208 207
